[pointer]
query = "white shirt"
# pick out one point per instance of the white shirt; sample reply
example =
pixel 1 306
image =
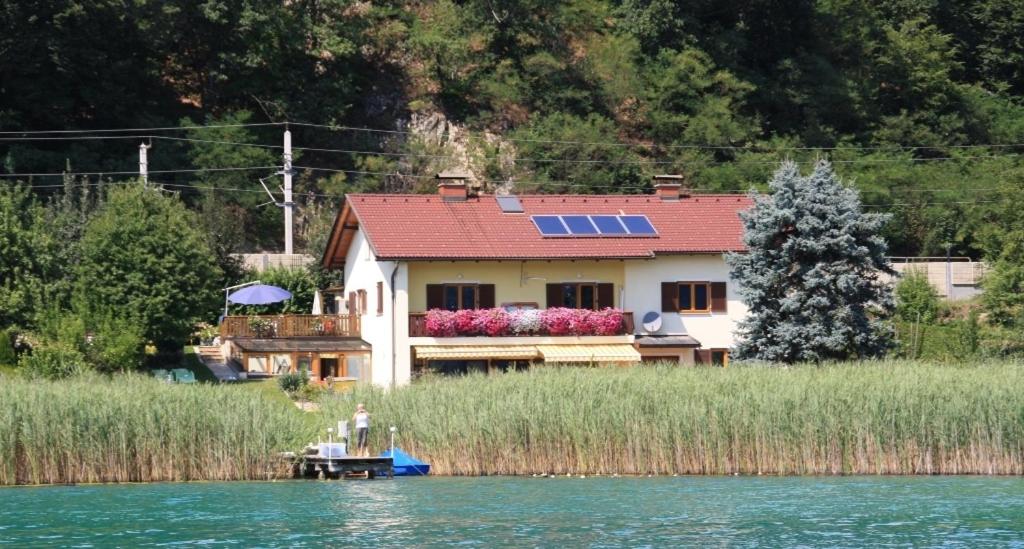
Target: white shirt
pixel 362 420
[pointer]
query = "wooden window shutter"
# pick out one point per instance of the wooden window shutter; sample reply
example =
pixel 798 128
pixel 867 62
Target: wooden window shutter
pixel 485 295
pixel 605 295
pixel 702 356
pixel 669 297
pixel 380 298
pixel 362 301
pixel 718 301
pixel 435 296
pixel 352 303
pixel 554 295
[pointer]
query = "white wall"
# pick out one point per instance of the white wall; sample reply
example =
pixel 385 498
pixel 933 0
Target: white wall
pixel 643 294
pixel 363 272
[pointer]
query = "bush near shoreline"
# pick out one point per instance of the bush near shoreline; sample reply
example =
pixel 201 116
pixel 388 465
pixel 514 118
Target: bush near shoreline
pixel 895 417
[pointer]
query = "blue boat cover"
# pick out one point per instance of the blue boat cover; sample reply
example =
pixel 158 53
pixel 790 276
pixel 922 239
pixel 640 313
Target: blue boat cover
pixel 406 464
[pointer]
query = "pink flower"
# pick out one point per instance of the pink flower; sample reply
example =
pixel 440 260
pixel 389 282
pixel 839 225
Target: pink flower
pixel 493 322
pixel 606 321
pixel 466 322
pixel 440 323
pixel 557 321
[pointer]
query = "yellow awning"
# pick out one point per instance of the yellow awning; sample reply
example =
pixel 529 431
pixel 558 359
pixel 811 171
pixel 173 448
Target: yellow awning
pixel 621 352
pixel 476 352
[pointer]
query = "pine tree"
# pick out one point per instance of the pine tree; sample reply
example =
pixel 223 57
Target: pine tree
pixel 811 274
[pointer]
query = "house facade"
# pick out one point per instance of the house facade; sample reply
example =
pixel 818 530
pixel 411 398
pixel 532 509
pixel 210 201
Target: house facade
pixel 650 267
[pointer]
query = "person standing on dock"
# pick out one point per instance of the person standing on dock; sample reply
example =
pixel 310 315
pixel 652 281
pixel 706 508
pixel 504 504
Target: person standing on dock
pixel 362 421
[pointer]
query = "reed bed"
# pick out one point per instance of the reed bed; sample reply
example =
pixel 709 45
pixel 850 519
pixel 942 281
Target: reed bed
pixel 866 418
pixel 132 429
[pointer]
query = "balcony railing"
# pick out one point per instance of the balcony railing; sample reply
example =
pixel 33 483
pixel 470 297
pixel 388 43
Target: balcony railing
pixel 275 326
pixel 418 325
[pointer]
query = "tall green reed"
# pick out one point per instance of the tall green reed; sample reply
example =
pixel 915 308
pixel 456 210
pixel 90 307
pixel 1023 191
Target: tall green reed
pixel 860 418
pixel 129 428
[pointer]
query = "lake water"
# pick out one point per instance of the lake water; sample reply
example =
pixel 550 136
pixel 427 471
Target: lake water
pixel 488 512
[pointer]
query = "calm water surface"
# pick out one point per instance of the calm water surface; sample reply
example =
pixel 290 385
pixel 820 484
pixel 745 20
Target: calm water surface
pixel 488 512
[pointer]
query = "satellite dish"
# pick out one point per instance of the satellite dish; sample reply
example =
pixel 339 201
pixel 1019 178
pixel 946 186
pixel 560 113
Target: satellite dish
pixel 652 321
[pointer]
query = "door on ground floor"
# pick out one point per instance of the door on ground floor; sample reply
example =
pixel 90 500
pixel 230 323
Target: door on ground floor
pixel 329 369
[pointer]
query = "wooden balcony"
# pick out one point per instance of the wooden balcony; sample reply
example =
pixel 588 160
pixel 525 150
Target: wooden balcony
pixel 418 325
pixel 277 326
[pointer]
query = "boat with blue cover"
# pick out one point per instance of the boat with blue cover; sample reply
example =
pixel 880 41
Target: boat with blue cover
pixel 406 465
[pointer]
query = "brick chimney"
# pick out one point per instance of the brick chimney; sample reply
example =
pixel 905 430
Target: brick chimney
pixel 452 186
pixel 668 187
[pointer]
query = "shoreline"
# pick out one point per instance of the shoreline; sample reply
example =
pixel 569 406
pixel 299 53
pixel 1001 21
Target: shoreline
pixel 534 476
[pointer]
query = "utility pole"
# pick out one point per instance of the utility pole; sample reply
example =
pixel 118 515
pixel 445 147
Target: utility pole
pixel 288 205
pixel 143 164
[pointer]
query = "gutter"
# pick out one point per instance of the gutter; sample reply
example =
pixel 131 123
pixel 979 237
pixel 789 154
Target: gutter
pixel 394 316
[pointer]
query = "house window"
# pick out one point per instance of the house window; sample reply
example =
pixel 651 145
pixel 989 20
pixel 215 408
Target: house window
pixel 461 296
pixel 694 297
pixel 380 298
pixel 257 364
pixel 520 306
pixel 579 296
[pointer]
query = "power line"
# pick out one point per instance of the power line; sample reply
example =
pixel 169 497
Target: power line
pixel 184 186
pixel 750 148
pixel 470 133
pixel 156 129
pixel 182 170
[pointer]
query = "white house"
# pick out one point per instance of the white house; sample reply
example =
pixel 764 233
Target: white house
pixel 656 257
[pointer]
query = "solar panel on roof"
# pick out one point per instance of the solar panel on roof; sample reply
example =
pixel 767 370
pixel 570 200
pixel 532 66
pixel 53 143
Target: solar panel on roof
pixel 579 224
pixel 608 224
pixel 549 225
pixel 638 225
pixel 509 204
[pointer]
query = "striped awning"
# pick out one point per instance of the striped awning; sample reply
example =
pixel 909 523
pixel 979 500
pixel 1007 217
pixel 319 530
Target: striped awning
pixel 476 352
pixel 622 352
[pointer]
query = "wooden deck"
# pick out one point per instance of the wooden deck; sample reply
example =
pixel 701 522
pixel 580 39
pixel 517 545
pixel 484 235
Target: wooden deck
pixel 279 326
pixel 345 467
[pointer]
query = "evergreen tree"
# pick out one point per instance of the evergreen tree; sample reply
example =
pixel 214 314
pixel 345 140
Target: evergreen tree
pixel 811 273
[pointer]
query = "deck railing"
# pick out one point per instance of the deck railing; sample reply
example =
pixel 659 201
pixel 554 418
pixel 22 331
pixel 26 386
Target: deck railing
pixel 418 325
pixel 275 326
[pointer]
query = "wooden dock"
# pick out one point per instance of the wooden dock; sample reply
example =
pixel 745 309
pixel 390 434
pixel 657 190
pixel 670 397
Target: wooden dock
pixel 315 466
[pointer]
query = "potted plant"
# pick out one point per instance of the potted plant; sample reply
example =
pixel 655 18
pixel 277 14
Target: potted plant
pixel 261 327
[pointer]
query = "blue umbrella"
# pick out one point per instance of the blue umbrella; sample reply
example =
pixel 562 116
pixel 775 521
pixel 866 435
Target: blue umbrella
pixel 259 294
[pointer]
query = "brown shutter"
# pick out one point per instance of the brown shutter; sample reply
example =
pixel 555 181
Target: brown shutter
pixel 605 295
pixel 554 295
pixel 485 295
pixel 352 303
pixel 362 301
pixel 380 298
pixel 435 296
pixel 702 356
pixel 718 301
pixel 669 297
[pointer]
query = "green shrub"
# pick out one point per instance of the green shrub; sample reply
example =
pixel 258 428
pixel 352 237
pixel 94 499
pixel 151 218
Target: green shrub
pixel 311 392
pixel 53 361
pixel 116 345
pixel 916 299
pixel 292 382
pixel 7 355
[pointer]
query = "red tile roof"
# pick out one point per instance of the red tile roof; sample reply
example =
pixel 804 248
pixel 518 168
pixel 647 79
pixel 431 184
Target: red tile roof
pixel 403 227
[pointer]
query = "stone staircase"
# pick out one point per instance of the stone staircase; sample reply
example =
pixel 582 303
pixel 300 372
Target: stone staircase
pixel 213 359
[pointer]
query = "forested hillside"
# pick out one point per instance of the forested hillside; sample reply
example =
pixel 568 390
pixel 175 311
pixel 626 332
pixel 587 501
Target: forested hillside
pixel 919 103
